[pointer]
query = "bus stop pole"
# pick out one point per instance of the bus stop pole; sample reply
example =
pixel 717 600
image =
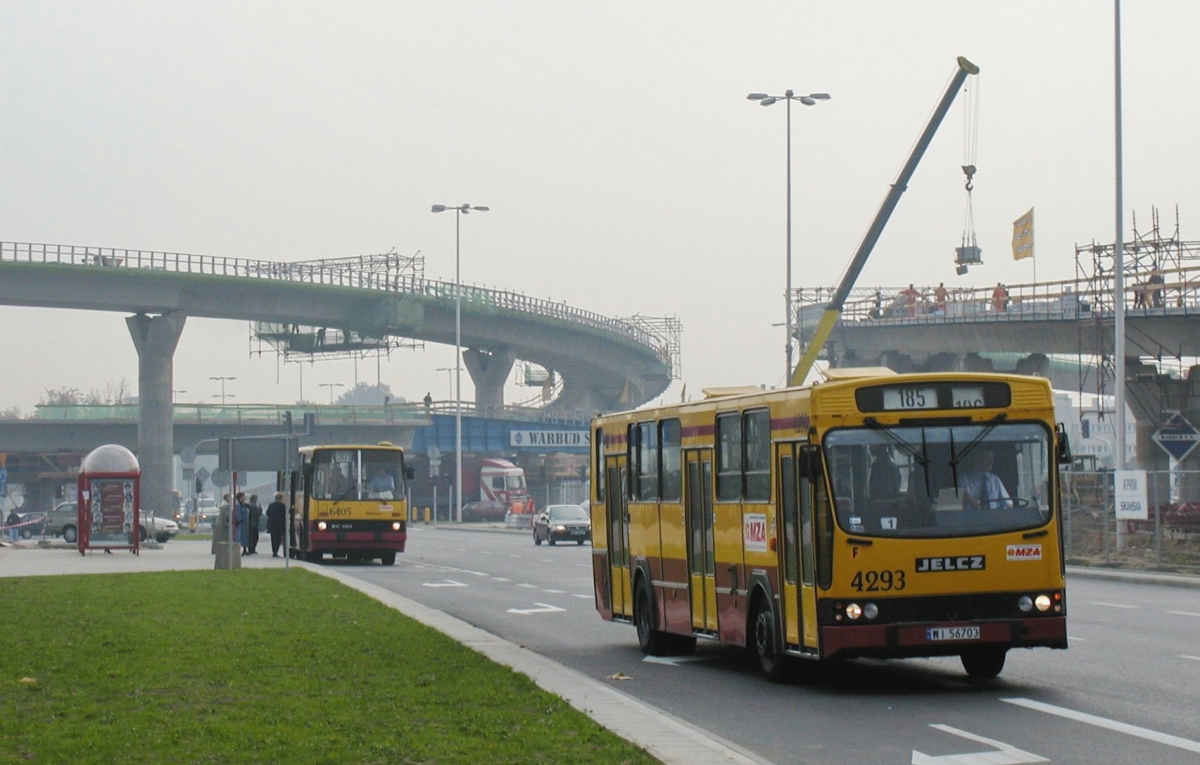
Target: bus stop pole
pixel 287 531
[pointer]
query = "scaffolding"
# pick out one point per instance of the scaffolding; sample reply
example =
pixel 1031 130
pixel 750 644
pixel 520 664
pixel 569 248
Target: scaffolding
pixel 667 331
pixel 296 343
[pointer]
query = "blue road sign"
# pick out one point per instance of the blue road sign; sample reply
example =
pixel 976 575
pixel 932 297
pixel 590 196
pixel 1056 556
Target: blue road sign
pixel 1177 437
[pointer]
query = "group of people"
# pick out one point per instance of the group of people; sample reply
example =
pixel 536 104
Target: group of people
pixel 911 301
pixel 247 516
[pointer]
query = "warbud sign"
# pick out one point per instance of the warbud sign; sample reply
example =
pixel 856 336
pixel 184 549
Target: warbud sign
pixel 550 439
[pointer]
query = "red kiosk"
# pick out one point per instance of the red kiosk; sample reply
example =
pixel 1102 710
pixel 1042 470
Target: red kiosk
pixel 108 500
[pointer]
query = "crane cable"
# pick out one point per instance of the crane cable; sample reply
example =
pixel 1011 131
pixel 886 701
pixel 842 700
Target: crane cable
pixel 970 149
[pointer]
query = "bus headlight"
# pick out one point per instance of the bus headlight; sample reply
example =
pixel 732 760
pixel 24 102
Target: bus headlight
pixel 870 610
pixel 1025 603
pixel 1042 602
pixel 853 611
pixel 395 525
pixel 321 525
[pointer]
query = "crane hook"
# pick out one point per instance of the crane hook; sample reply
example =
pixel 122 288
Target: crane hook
pixel 969 170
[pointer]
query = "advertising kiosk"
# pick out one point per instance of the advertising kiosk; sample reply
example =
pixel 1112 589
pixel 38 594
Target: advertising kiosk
pixel 108 500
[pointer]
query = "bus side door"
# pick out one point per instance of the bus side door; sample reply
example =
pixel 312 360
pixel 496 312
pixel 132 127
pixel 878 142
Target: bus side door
pixel 702 584
pixel 796 562
pixel 617 505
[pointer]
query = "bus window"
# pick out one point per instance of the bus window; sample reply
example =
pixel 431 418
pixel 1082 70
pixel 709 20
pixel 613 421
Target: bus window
pixel 940 481
pixel 729 457
pixel 787 481
pixel 647 462
pixel 598 464
pixel 669 433
pixel 357 474
pixel 757 433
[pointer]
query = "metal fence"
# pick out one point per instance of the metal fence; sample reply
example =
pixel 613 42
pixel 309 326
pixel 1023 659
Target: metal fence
pixel 334 272
pixel 1169 540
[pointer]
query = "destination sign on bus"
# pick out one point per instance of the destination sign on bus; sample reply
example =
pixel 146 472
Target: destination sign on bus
pixel 933 394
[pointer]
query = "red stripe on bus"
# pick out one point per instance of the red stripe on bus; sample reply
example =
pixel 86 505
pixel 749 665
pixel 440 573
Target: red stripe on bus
pixel 795 422
pixel 691 431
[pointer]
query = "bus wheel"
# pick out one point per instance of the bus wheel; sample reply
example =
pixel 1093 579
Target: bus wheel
pixel 653 642
pixel 683 645
pixel 388 558
pixel 983 663
pixel 313 557
pixel 773 664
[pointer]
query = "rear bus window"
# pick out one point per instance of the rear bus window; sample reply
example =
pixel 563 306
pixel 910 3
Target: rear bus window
pixel 757 433
pixel 729 457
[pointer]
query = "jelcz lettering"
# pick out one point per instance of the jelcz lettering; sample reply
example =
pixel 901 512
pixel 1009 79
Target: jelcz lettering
pixel 956 563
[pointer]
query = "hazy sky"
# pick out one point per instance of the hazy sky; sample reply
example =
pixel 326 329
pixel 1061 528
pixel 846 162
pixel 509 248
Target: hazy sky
pixel 626 171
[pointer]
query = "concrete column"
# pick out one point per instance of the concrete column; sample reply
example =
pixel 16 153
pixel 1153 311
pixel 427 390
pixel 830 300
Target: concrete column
pixel 1035 364
pixel 489 371
pixel 155 338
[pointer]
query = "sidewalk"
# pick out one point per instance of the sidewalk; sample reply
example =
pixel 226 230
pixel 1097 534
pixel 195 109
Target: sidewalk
pixel 1133 577
pixel 664 736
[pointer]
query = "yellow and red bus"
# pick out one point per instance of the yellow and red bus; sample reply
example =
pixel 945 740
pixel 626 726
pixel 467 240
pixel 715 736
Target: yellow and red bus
pixel 351 503
pixel 870 515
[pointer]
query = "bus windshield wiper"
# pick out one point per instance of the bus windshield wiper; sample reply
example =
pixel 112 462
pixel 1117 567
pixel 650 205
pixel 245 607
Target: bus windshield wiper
pixel 955 459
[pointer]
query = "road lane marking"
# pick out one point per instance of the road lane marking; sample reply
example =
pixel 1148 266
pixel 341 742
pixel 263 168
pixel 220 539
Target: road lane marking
pixel 526 584
pixel 1072 637
pixel 1183 613
pixel 1103 722
pixel 501 579
pixel 556 592
pixel 574 595
pixel 546 560
pixel 1193 658
pixel 513 556
pixel 675 661
pixel 1111 605
pixel 447 583
pixel 543 608
pixel 1002 754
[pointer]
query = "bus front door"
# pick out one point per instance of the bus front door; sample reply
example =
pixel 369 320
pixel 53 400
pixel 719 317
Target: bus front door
pixel 788 513
pixel 701 566
pixel 618 538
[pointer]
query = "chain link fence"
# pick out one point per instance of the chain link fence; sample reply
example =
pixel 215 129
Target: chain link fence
pixel 1169 540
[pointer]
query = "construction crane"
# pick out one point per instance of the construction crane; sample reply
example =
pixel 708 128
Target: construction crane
pixel 834 309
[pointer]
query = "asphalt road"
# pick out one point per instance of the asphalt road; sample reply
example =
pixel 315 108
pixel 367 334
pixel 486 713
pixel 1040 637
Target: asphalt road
pixel 1127 691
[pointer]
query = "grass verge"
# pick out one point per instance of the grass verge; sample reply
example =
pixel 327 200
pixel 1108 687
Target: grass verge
pixel 260 666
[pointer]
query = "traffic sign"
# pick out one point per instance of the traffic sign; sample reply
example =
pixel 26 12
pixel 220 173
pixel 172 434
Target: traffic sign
pixel 203 474
pixel 220 478
pixel 1177 437
pixel 187 455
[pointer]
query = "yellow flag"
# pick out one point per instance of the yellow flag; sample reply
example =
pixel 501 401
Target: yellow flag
pixel 1023 236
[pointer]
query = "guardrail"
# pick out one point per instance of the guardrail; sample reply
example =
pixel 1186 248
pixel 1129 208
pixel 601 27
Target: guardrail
pixel 334 273
pixel 1178 293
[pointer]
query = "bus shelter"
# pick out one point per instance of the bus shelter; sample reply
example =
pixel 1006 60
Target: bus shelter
pixel 108 500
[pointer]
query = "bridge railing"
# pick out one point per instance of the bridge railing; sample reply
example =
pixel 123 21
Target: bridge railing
pixel 328 272
pixel 1178 292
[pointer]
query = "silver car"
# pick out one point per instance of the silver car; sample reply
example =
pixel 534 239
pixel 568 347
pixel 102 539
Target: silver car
pixel 63 519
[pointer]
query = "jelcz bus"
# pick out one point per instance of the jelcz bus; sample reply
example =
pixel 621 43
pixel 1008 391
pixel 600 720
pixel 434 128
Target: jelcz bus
pixel 871 515
pixel 350 503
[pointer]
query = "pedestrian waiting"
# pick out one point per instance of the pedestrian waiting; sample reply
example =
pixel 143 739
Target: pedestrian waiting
pixel 276 523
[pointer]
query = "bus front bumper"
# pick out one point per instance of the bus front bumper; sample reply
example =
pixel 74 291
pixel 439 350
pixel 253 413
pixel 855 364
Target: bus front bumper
pixel 923 639
pixel 328 541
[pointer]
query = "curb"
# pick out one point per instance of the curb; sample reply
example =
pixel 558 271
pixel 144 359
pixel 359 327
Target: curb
pixel 1134 577
pixel 671 740
pixel 477 529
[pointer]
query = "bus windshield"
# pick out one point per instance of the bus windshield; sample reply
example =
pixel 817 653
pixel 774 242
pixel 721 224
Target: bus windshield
pixel 948 481
pixel 358 474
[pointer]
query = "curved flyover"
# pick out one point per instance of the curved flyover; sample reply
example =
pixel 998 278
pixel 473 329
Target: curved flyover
pixel 604 362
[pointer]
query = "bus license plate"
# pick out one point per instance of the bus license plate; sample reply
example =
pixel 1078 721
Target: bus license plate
pixel 952 633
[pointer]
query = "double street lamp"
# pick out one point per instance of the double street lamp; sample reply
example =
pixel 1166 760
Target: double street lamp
pixel 459 210
pixel 809 100
pixel 222 395
pixel 331 386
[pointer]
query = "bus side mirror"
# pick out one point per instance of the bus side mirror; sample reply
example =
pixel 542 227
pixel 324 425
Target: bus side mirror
pixel 410 472
pixel 1062 445
pixel 809 464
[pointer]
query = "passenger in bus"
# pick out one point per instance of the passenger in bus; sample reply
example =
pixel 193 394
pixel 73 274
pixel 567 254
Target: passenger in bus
pixel 981 488
pixel 381 483
pixel 884 483
pixel 339 484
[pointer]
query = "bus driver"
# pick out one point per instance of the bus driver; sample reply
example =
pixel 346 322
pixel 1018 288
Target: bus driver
pixel 981 488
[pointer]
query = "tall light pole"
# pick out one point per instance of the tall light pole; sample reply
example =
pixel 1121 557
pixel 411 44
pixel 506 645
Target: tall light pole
pixel 1119 253
pixel 449 379
pixel 331 386
pixel 222 394
pixel 459 211
pixel 767 100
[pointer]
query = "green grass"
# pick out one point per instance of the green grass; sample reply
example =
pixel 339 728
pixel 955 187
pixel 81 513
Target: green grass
pixel 259 665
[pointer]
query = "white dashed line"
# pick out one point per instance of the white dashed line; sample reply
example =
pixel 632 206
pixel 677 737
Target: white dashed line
pixel 1072 637
pixel 556 592
pixel 575 595
pixel 501 579
pixel 546 560
pixel 1111 605
pixel 1193 658
pixel 513 556
pixel 526 584
pixel 1183 613
pixel 1103 722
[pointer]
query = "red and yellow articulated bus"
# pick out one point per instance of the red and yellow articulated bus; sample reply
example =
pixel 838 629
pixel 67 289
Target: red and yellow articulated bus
pixel 871 515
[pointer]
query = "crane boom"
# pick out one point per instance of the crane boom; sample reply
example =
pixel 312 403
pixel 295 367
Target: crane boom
pixel 834 309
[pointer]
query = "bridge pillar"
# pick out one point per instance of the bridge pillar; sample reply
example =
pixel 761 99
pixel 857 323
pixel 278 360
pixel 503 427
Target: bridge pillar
pixel 489 371
pixel 155 338
pixel 1034 365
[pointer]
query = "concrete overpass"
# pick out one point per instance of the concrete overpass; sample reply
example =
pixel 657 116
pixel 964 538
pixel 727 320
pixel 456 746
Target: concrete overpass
pixel 604 362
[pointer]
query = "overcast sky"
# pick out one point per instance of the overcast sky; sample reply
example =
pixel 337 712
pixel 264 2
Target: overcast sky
pixel 626 171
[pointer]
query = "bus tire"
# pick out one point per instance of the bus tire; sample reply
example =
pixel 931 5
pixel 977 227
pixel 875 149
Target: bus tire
pixel 683 645
pixel 983 663
pixel 388 558
pixel 771 661
pixel 550 540
pixel 652 642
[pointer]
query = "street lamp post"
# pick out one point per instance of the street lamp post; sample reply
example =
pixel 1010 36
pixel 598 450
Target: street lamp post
pixel 222 394
pixel 766 100
pixel 459 210
pixel 331 386
pixel 449 379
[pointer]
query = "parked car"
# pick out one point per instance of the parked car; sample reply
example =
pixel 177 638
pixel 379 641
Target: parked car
pixel 562 523
pixel 64 517
pixel 33 529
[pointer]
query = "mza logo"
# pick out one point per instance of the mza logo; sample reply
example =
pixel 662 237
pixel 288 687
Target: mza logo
pixel 959 563
pixel 1024 552
pixel 754 532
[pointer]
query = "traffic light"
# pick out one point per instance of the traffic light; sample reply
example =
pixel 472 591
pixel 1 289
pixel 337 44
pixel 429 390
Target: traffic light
pixel 199 486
